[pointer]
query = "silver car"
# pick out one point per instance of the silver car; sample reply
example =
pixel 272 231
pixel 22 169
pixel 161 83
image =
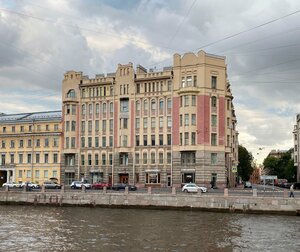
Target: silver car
pixel 191 187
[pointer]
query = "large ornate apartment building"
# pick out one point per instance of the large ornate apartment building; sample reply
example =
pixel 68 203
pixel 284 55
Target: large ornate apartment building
pixel 30 147
pixel 296 134
pixel 151 128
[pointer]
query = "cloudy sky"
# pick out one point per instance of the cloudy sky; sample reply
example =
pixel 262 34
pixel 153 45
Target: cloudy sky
pixel 40 40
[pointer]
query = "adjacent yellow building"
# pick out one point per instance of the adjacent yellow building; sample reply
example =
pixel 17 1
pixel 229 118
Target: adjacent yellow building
pixel 30 145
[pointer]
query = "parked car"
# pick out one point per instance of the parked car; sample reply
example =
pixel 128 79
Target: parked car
pixel 247 184
pixel 101 185
pixel 296 186
pixel 79 184
pixel 51 185
pixel 11 185
pixel 121 186
pixel 191 187
pixel 30 185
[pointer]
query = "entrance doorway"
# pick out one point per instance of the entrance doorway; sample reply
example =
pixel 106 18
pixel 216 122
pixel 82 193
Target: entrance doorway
pixel 214 180
pixel 124 178
pixel 3 177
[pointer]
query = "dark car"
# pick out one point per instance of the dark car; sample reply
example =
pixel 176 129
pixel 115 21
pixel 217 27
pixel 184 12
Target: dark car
pixel 121 186
pixel 101 185
pixel 296 186
pixel 51 185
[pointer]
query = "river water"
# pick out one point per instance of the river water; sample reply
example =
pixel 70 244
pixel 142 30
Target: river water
pixel 28 228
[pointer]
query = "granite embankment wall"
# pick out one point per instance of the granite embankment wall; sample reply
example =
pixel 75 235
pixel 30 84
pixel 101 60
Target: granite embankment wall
pixel 224 203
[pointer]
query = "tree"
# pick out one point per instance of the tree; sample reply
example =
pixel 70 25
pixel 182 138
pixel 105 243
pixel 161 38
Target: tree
pixel 271 164
pixel 245 168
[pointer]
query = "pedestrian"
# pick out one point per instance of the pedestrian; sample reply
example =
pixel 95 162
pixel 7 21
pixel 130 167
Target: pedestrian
pixel 292 191
pixel 212 184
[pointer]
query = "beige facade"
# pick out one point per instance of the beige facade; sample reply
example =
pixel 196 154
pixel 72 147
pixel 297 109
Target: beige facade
pixel 30 147
pixel 296 155
pixel 151 128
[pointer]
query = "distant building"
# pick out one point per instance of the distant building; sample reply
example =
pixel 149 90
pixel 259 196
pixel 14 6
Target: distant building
pixel 277 153
pixel 296 153
pixel 30 147
pixel 156 128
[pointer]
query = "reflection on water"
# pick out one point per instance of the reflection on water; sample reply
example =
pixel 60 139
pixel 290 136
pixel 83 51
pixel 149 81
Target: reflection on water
pixel 24 228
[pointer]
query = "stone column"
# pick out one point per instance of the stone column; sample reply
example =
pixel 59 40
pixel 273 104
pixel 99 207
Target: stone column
pixel 62 190
pixel 83 189
pixel 43 188
pixel 225 192
pixel 126 190
pixel 149 190
pixel 254 192
pixel 173 190
pixel 104 189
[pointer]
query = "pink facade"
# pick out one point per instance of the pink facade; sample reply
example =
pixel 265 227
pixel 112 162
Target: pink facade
pixel 203 112
pixel 132 126
pixel 116 120
pixel 175 121
pixel 221 120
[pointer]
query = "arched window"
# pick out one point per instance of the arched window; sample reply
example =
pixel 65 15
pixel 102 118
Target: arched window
pixel 153 105
pixel 214 101
pixel 104 108
pixel 169 104
pixel 97 108
pixel 145 105
pixel 90 109
pixel 161 104
pixel 71 93
pixel 137 106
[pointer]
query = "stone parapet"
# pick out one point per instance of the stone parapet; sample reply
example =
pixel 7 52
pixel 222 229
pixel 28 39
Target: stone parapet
pixel 246 204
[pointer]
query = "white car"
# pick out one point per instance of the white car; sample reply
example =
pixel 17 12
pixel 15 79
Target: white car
pixel 11 184
pixel 193 188
pixel 79 184
pixel 30 185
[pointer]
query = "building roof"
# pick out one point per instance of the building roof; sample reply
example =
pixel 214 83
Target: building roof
pixel 29 117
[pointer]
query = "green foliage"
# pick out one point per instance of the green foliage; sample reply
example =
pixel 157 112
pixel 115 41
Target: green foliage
pixel 283 166
pixel 244 168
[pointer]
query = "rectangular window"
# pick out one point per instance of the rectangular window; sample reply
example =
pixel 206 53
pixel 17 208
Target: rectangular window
pixel 90 126
pixel 152 140
pixel 186 138
pixel 195 80
pixel 138 88
pixel 161 122
pixel 20 158
pixel 137 158
pixel 55 142
pixel 73 126
pixel 152 122
pixel 54 174
pixel 103 141
pixel 12 158
pixel 97 125
pixel 110 157
pixel 83 126
pixel 46 158
pixel 89 159
pixel 161 158
pixel 89 142
pixel 28 158
pixel 46 142
pixel 214 139
pixel 20 175
pixel 213 120
pixel 214 158
pixel 55 158
pixel 137 140
pixel 169 118
pixel 111 125
pixel 125 140
pixel 37 174
pixel 37 158
pixel 111 141
pixel 67 126
pixel 186 119
pixel 180 137
pixel 193 100
pixel 104 125
pixel 193 119
pixel 21 143
pixel 13 128
pixel 123 158
pixel 145 120
pixel 96 159
pixel 161 139
pixel 183 82
pixel 214 82
pixel 82 160
pixel 188 157
pixel 169 85
pixel 193 140
pixel 12 144
pixel 180 120
pixel 96 142
pixel 152 158
pixel 169 139
pixel 28 174
pixel 137 123
pixel 145 140
pixel 186 100
pixel 124 105
pixel 189 81
pixel 82 142
pixel 72 142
